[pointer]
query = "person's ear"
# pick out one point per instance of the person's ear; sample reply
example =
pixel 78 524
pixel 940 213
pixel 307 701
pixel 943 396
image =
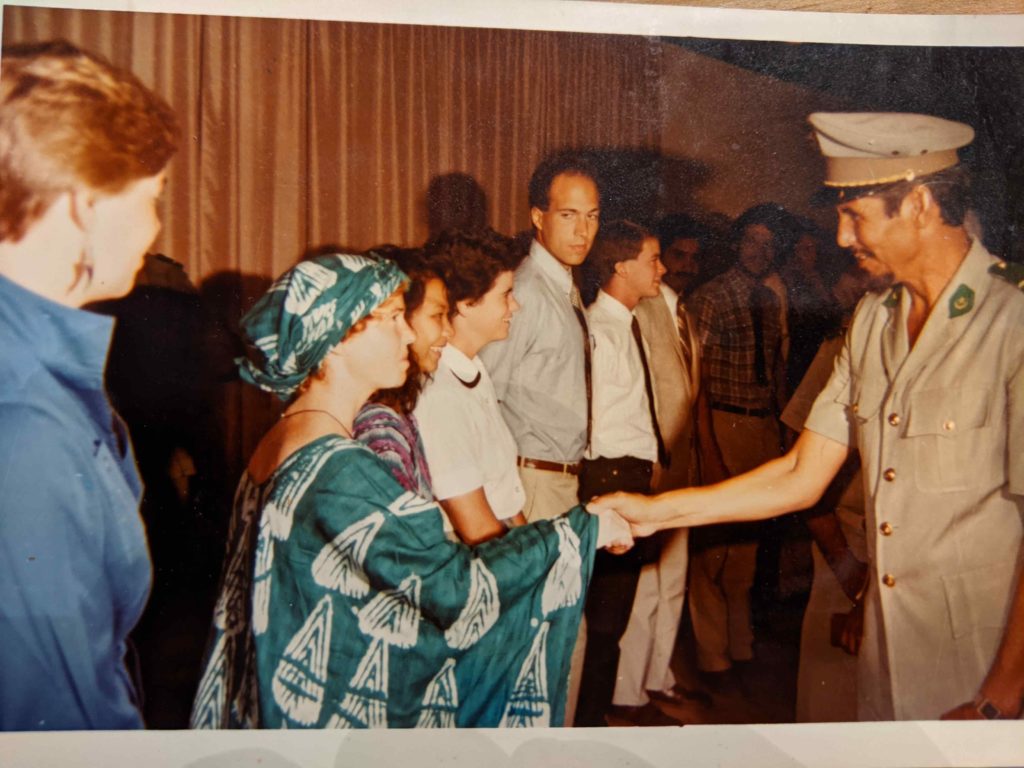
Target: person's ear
pixel 82 208
pixel 919 205
pixel 537 217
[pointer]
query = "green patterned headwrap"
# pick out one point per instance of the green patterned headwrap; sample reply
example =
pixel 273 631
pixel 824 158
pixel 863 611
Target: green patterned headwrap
pixel 306 312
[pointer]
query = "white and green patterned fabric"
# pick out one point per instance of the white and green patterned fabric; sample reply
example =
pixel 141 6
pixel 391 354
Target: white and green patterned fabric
pixel 306 312
pixel 343 604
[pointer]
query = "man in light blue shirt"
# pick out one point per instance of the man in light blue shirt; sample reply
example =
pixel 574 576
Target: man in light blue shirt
pixel 540 372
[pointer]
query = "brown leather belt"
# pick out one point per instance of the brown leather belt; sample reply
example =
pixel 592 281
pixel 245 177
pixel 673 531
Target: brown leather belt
pixel 758 412
pixel 549 466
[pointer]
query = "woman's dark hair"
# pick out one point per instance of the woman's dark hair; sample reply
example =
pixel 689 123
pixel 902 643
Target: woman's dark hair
pixel 413 262
pixel 468 264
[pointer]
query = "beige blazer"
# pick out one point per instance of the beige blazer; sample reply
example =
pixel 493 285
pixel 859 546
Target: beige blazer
pixel 672 352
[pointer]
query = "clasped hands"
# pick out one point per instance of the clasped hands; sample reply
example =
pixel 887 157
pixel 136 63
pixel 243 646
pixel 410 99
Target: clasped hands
pixel 621 520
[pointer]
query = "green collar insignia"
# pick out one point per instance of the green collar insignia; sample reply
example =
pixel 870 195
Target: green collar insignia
pixel 893 298
pixel 961 302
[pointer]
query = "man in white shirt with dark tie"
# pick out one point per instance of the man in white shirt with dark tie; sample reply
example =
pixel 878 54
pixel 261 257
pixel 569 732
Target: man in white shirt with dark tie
pixel 625 445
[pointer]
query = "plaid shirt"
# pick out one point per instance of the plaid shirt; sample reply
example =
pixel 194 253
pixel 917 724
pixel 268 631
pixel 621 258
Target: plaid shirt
pixel 723 312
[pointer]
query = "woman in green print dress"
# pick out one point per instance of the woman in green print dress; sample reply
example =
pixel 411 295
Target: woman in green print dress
pixel 343 604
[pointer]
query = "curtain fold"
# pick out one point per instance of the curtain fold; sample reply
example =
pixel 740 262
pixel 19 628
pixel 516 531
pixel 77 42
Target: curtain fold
pixel 299 134
pixel 304 133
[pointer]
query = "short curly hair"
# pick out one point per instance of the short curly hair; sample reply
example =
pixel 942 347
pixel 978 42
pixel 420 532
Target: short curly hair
pixel 470 263
pixel 70 119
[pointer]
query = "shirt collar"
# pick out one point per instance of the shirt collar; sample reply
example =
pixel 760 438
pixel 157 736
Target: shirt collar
pixel 551 267
pixel 615 308
pixel 968 282
pixel 458 363
pixel 71 343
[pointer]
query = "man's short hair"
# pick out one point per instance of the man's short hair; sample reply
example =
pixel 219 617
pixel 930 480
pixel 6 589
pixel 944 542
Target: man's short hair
pixel 616 241
pixel 771 215
pixel 679 226
pixel 70 119
pixel 572 163
pixel 951 189
pixel 469 263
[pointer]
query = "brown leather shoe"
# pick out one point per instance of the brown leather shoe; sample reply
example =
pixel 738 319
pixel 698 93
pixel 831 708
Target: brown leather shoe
pixel 680 695
pixel 646 715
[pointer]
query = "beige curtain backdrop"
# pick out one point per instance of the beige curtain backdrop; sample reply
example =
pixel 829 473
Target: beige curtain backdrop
pixel 299 134
pixel 304 133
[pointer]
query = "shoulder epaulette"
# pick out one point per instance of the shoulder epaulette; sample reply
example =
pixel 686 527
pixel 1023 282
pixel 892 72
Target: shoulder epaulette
pixel 1009 271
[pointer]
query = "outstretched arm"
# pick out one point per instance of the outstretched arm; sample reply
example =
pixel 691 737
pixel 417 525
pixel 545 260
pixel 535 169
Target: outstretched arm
pixel 791 482
pixel 822 522
pixel 472 517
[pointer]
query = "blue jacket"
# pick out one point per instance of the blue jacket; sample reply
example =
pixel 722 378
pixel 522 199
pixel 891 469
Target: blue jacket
pixel 74 566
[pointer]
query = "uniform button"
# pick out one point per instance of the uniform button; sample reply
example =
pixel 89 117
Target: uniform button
pixel 889 580
pixel 855 407
pixel 949 426
pixel 886 529
pixel 889 474
pixel 894 419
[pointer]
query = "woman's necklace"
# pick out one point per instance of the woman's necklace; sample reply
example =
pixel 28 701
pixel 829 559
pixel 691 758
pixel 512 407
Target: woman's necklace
pixel 344 430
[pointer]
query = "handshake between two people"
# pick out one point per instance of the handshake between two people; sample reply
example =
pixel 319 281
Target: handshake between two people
pixel 622 517
pixel 791 482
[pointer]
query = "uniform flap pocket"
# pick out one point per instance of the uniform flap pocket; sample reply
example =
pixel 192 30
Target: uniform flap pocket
pixel 979 599
pixel 947 411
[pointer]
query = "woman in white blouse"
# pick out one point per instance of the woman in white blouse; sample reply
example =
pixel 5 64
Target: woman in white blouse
pixel 470 451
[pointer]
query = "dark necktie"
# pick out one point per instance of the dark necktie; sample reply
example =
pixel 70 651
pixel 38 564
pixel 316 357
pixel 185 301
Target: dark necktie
pixel 683 324
pixel 663 456
pixel 577 306
pixel 762 301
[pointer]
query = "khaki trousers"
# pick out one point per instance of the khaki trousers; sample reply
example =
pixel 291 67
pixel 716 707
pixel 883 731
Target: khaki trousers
pixel 548 495
pixel 650 637
pixel 721 575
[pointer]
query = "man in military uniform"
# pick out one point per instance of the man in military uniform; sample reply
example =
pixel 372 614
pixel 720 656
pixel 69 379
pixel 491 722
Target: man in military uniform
pixel 929 386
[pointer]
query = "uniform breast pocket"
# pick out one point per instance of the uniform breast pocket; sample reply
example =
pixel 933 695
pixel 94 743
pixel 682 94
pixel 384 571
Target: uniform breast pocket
pixel 948 430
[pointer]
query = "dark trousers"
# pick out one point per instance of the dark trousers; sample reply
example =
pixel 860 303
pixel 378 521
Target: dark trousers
pixel 612 588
